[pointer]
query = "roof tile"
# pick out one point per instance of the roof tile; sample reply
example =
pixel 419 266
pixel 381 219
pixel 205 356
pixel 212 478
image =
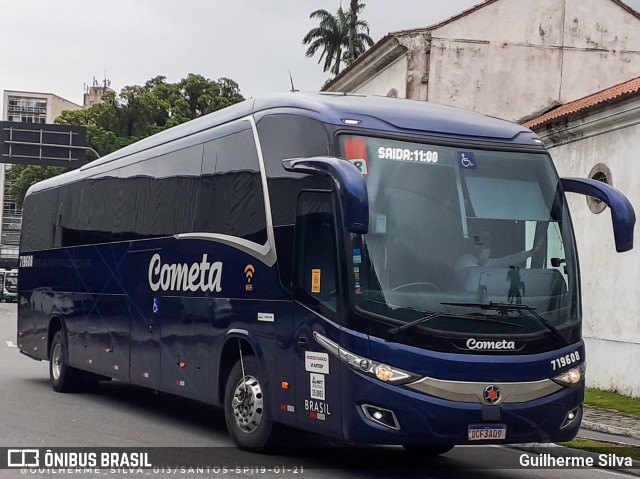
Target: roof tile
pixel 617 92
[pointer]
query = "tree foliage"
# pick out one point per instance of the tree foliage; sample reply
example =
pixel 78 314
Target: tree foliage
pixel 23 176
pixel 142 110
pixel 136 112
pixel 332 37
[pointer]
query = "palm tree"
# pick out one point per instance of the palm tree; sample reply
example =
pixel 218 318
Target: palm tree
pixel 355 7
pixel 332 36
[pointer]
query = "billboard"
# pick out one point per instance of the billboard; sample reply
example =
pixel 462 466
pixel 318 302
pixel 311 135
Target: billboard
pixel 42 144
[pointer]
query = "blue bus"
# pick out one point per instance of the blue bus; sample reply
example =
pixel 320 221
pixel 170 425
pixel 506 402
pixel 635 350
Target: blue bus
pixel 380 271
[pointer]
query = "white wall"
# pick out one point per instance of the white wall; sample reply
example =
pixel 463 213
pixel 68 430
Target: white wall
pixel 610 280
pixel 512 58
pixel 499 79
pixel 394 76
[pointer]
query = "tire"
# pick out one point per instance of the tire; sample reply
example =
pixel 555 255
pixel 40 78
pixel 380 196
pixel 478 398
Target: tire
pixel 63 377
pixel 425 451
pixel 246 409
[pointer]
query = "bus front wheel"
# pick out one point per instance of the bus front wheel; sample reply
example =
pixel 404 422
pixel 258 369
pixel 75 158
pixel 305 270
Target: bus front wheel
pixel 63 377
pixel 246 409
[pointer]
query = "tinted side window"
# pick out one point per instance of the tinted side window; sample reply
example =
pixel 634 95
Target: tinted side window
pixel 147 199
pixel 231 198
pixel 285 136
pixel 290 136
pixel 158 196
pixel 177 178
pixel 38 221
pixel 316 282
pixel 135 201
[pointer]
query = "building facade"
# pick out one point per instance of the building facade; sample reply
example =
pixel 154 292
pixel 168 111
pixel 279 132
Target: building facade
pixel 506 58
pixel 599 137
pixel 25 107
pixel 93 94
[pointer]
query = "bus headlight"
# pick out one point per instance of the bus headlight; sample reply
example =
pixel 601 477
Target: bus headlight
pixel 572 376
pixel 380 371
pixel 383 372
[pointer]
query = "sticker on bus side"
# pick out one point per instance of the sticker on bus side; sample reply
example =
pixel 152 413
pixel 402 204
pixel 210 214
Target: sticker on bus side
pixel 315 280
pixel 316 362
pixel 317 386
pixel 268 317
pixel 467 160
pixel 362 165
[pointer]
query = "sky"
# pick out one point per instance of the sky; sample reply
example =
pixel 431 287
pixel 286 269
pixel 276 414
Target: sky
pixel 59 46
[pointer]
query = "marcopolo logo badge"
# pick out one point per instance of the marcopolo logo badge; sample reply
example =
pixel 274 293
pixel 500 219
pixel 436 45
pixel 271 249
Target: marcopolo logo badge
pixel 491 394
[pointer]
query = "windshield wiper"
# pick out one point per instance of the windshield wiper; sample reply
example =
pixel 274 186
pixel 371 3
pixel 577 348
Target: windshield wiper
pixel 431 316
pixel 504 309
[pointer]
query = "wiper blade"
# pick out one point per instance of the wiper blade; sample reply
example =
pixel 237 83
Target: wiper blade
pixel 431 316
pixel 505 308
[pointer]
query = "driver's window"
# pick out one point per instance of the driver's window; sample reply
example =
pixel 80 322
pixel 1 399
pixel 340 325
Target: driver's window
pixel 316 252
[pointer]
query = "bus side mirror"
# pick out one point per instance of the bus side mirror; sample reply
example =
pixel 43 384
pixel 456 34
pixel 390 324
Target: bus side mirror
pixel 622 213
pixel 349 182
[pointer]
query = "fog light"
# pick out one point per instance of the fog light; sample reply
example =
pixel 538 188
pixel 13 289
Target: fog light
pixel 381 416
pixel 570 418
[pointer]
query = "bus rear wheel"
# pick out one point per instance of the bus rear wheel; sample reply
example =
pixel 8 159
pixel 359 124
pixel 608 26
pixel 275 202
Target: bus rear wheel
pixel 63 377
pixel 246 408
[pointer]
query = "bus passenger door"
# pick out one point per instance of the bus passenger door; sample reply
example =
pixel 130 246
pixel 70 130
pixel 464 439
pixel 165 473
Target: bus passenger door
pixel 316 309
pixel 145 309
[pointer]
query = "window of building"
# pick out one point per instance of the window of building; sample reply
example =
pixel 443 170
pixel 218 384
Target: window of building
pixel 599 172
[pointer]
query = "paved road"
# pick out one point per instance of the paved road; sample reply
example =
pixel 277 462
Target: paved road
pixel 118 415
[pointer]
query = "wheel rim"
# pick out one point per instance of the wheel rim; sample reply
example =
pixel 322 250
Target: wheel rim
pixel 55 361
pixel 248 404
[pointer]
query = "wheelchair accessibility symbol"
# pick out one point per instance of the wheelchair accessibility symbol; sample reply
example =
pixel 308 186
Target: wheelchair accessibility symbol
pixel 467 160
pixel 156 306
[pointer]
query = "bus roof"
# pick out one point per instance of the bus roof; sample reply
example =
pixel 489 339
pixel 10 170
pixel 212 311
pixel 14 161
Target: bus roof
pixel 372 112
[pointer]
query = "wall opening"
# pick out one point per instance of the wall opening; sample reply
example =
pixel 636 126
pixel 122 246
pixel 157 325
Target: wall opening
pixel 599 172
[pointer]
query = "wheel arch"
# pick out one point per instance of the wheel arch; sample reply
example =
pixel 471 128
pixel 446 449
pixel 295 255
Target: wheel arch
pixel 55 325
pixel 230 355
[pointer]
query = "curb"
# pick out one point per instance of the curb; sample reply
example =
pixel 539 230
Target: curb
pixel 609 429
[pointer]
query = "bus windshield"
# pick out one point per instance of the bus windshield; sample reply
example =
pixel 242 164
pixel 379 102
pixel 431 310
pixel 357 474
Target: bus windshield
pixel 462 241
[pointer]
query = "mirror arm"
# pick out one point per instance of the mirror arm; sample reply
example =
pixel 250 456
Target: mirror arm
pixel 349 183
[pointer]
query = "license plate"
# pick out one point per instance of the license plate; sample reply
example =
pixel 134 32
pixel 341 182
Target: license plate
pixel 487 432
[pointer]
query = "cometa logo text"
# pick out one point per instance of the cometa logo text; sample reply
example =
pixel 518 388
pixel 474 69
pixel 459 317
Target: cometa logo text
pixel 490 345
pixel 202 276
